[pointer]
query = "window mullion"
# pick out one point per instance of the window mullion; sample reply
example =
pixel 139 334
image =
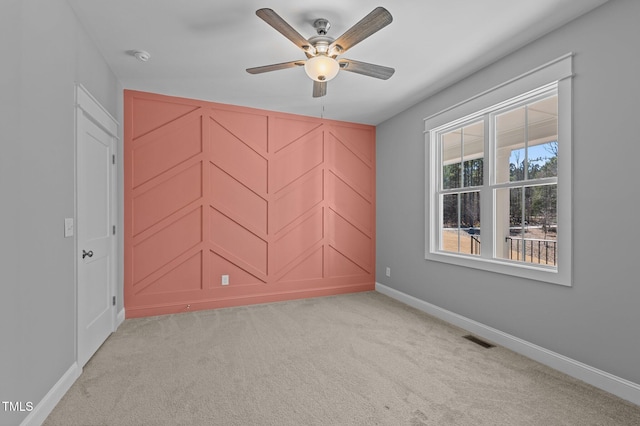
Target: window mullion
pixel 462 158
pixel 461 186
pixel 526 142
pixel 487 202
pixel 534 182
pixel 523 208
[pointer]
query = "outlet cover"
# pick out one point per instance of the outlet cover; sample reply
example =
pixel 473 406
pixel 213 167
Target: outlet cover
pixel 225 280
pixel 68 227
pixel 388 272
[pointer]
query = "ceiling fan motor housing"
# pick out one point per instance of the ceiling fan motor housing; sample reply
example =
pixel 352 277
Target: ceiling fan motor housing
pixel 321 44
pixel 321 25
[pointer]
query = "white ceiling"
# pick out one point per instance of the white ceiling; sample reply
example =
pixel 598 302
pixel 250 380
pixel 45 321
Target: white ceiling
pixel 201 48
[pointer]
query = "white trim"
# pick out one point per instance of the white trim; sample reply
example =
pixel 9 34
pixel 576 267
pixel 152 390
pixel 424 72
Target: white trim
pixel 93 108
pixel 554 70
pixel 553 76
pixel 88 107
pixel 119 319
pixel 51 399
pixel 615 385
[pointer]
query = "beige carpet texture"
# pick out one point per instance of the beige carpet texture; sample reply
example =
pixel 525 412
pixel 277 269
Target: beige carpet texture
pixel 356 359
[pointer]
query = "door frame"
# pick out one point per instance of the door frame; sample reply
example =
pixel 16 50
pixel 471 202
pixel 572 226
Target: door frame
pixel 88 107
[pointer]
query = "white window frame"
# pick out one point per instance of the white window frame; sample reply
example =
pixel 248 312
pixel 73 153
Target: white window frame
pixel 554 74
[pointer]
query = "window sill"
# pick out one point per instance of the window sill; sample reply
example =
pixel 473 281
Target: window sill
pixel 531 271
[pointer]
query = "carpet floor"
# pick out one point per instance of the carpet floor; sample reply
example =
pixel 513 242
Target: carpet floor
pixel 356 359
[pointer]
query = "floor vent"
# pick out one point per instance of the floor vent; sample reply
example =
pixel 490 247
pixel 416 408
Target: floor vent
pixel 479 341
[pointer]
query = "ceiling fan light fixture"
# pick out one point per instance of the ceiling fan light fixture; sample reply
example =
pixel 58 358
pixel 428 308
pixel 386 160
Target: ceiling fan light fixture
pixel 321 68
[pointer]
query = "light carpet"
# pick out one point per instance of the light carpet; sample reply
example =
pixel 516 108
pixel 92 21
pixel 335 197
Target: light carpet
pixel 356 359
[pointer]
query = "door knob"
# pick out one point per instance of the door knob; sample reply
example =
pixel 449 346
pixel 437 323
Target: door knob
pixel 87 253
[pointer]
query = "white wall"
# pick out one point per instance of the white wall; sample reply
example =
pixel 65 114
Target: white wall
pixel 43 52
pixel 597 321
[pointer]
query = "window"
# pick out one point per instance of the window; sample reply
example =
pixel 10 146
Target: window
pixel 499 178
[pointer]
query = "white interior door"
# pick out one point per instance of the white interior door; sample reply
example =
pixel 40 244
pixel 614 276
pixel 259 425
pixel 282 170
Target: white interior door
pixel 95 237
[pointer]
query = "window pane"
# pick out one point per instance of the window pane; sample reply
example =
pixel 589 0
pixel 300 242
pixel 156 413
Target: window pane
pixel 543 160
pixel 527 142
pixel 473 154
pixel 470 210
pixel 463 157
pixel 530 234
pixel 470 223
pixel 510 146
pixel 460 232
pixel 543 138
pixel 449 231
pixel 451 159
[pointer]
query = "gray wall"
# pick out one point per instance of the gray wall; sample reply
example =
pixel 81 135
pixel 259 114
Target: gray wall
pixel 43 52
pixel 597 321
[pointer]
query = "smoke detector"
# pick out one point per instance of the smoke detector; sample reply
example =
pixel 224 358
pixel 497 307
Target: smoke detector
pixel 141 55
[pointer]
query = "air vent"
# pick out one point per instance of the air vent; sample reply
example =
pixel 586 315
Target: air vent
pixel 480 342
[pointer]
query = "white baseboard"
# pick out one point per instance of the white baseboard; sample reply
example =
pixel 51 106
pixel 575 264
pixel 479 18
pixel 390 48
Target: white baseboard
pixel 55 394
pixel 120 318
pixel 51 399
pixel 601 379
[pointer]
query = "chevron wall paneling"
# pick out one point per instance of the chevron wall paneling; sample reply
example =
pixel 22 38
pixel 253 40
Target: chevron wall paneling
pixel 283 206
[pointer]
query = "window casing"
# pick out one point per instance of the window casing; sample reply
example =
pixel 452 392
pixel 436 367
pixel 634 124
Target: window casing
pixel 499 178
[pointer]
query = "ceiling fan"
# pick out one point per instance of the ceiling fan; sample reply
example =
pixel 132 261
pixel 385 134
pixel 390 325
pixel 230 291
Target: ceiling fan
pixel 322 63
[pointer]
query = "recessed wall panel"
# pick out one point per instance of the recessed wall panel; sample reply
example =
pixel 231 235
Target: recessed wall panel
pixel 284 131
pixel 152 113
pixel 238 241
pixel 297 239
pixel 348 203
pixel 296 201
pixel 350 241
pixel 237 200
pixel 166 198
pixel 237 159
pixel 295 160
pixel 308 268
pixel 357 138
pixel 165 244
pixel 351 168
pixel 158 152
pixel 341 266
pixel 185 277
pixel 251 129
pixel 237 276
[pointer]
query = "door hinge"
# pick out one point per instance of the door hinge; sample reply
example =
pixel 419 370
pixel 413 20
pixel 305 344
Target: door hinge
pixel 114 230
pixel 114 301
pixel 113 159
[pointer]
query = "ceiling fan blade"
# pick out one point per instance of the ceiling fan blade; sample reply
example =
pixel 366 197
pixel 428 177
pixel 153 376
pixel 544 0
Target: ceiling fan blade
pixel 280 25
pixel 275 67
pixel 373 22
pixel 371 70
pixel 319 88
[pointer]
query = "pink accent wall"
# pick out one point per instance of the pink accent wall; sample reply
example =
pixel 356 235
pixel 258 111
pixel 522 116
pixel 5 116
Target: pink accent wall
pixel 283 204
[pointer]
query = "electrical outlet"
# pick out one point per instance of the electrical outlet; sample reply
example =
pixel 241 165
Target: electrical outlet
pixel 388 272
pixel 68 227
pixel 225 280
